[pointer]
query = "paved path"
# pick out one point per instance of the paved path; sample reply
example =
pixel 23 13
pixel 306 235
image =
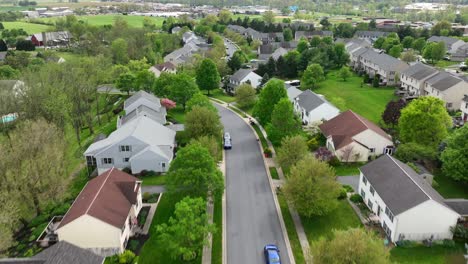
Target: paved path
pixel 153 189
pixel 150 216
pixel 350 180
pixel 206 256
pixel 251 217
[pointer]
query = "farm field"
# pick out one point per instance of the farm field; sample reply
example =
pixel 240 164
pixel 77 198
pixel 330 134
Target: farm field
pixel 30 28
pixel 101 20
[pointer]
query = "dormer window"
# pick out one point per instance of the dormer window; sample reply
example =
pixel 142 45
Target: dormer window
pixel 125 148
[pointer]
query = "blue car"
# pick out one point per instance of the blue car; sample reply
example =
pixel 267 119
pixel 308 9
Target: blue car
pixel 271 254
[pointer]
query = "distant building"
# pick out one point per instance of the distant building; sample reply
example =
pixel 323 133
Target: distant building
pixel 50 39
pixel 370 35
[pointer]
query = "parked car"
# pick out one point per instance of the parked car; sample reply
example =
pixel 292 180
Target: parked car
pixel 271 254
pixel 227 144
pixel 463 66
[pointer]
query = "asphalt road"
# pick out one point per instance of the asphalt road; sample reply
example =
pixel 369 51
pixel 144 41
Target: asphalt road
pixel 251 217
pixel 230 47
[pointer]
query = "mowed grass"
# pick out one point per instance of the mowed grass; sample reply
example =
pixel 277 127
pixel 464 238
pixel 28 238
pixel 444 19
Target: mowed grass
pixel 367 101
pixel 154 180
pixel 101 20
pixel 30 28
pixel 347 169
pixel 153 252
pixel 217 242
pixel 428 255
pixel 220 95
pixel 342 218
pixel 449 188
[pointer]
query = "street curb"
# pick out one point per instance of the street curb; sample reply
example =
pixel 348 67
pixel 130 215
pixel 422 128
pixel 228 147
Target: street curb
pixel 224 247
pixel 275 198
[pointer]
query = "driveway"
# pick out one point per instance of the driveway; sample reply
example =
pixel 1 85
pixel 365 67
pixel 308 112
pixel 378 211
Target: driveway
pixel 251 217
pixel 230 47
pixel 350 180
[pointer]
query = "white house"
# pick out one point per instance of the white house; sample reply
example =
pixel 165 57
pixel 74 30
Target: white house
pixel 140 144
pixel 451 44
pixel 104 215
pixel 143 104
pixel 413 78
pixel 464 108
pixel 447 87
pixel 292 91
pixel 167 66
pixel 353 138
pixel 386 67
pixel 313 107
pixel 370 35
pixel 407 207
pixel 243 76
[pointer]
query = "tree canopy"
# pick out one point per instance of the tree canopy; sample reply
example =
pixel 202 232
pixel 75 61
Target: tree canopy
pixel 455 156
pixel 270 95
pixel 284 122
pixel 292 150
pixel 207 76
pixel 202 121
pixel 312 76
pixel 246 96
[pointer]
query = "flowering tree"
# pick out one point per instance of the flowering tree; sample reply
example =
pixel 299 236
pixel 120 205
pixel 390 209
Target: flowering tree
pixel 323 154
pixel 168 103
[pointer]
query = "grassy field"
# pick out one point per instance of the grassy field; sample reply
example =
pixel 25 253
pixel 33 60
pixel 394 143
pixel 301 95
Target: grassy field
pixel 341 218
pixel 220 95
pixel 101 20
pixel 291 229
pixel 177 114
pixel 432 255
pixel 367 101
pixel 152 252
pixel 30 28
pixel 274 173
pixel 347 169
pixel 154 180
pixel 449 188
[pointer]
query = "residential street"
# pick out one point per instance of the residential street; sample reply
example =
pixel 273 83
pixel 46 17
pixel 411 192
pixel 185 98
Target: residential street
pixel 230 47
pixel 251 217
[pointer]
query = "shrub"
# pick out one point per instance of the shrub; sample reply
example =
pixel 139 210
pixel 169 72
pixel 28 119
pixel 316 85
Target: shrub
pixel 61 210
pixel 406 243
pixel 413 166
pixel 38 220
pixel 375 82
pixel 127 170
pixel 143 173
pixel 348 188
pixel 460 232
pixel 343 194
pixel 356 198
pixel 313 144
pixel 448 243
pixel 182 138
pixel 133 245
pixel 334 162
pixel 126 257
pixel 146 196
pixel 366 78
pixel 267 152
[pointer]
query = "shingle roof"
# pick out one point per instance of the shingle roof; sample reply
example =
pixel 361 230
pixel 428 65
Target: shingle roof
pixel 142 110
pixel 240 74
pixel 349 124
pixel 447 40
pixel 142 94
pixel 66 253
pixel 384 61
pixel 458 205
pixel 292 91
pixel 399 186
pixel 443 81
pixel 108 197
pixel 419 71
pixel 374 34
pixel 309 100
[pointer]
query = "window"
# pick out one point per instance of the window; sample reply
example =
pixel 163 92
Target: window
pixel 125 148
pixel 126 159
pixel 163 165
pixel 387 229
pixel 370 204
pixel 372 150
pixel 107 161
pixel 371 189
pixel 363 194
pixel 449 105
pixel 364 180
pixel 389 214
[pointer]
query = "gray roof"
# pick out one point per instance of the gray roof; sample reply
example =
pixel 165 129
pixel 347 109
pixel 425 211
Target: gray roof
pixel 240 74
pixel 384 61
pixel 443 81
pixel 292 91
pixel 142 94
pixel 309 100
pixel 419 71
pixel 458 205
pixel 373 34
pixel 60 253
pixel 399 186
pixel 448 41
pixel 142 110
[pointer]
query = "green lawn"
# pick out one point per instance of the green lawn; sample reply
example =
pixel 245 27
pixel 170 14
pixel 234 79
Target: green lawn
pixel 445 64
pixel 30 28
pixel 152 251
pixel 274 173
pixel 341 218
pixel 449 188
pixel 367 101
pixel 220 95
pixel 291 229
pixel 178 114
pixel 432 255
pixel 101 20
pixel 217 245
pixel 347 169
pixel 260 135
pixel 154 180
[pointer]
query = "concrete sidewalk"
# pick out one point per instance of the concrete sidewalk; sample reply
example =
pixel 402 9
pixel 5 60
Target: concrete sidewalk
pixel 206 254
pixel 149 218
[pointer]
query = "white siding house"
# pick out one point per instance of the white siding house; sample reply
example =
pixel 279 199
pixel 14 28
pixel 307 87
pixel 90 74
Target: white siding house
pixel 103 216
pixel 313 107
pixel 464 109
pixel 243 76
pixel 447 87
pixel 408 208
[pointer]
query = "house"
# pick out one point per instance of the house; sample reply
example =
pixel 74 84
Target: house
pixel 243 76
pixel 292 91
pixel 180 56
pixel 351 137
pixel 370 35
pixel 168 67
pixel 447 87
pixel 175 30
pixel 461 54
pixel 237 29
pixel 144 98
pixel 58 38
pixel 413 78
pixel 104 215
pixel 142 110
pixel 272 37
pixel 313 107
pixel 386 67
pixel 139 144
pixel 464 108
pixel 406 205
pixel 279 52
pixel 310 34
pixel 59 253
pixel 451 44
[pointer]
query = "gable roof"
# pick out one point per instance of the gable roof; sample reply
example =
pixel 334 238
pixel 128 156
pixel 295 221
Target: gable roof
pixel 278 53
pixel 142 128
pixel 458 205
pixel 143 110
pixel 419 71
pixel 384 61
pixel 292 91
pixel 399 186
pixel 165 66
pixel 108 197
pixel 372 34
pixel 66 253
pixel 309 100
pixel 447 40
pixel 240 74
pixel 349 124
pixel 443 81
pixel 142 94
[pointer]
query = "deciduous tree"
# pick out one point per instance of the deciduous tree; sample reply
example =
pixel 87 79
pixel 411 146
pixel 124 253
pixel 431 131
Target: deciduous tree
pixel 344 73
pixel 270 95
pixel 207 76
pixel 199 99
pixel 312 75
pixel 201 121
pixel 287 34
pixel 245 96
pixel 311 187
pixel 284 122
pixel 268 17
pixel 455 156
pixel 292 150
pixel 119 51
pixel 392 112
pixel 182 88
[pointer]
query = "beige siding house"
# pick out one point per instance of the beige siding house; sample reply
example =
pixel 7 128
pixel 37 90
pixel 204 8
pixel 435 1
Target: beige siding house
pixel 413 78
pixel 447 87
pixel 103 216
pixel 353 138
